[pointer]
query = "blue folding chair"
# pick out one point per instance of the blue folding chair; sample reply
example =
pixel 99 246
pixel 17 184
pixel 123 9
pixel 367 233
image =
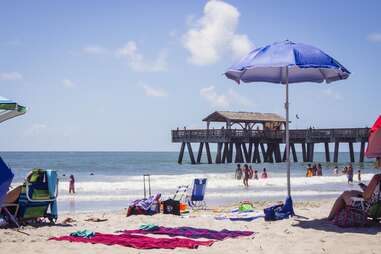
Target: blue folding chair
pixel 38 198
pixel 196 201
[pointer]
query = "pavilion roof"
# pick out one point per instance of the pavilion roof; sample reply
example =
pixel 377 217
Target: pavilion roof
pixel 243 117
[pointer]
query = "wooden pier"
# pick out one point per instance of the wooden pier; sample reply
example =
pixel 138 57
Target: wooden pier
pixel 249 145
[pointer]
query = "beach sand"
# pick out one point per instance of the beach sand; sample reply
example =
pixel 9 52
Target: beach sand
pixel 311 234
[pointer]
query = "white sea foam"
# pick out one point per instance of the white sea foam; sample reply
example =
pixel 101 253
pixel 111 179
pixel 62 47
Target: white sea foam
pixel 220 182
pixel 221 186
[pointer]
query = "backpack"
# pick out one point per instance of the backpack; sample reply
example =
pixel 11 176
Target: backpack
pixel 350 217
pixel 374 210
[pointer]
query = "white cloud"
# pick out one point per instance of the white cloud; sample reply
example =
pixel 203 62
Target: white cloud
pixel 137 62
pixel 374 37
pixel 332 94
pixel 35 129
pixel 214 34
pixel 10 76
pixel 224 100
pixel 94 50
pixel 154 92
pixel 67 83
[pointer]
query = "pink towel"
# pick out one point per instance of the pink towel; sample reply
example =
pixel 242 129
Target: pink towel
pixel 137 241
pixel 193 232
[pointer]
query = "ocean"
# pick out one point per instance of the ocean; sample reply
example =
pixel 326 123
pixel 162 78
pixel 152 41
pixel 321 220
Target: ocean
pixel 110 180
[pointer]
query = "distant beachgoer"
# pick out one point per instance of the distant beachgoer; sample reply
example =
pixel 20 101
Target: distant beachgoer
pixel 310 171
pixel 336 171
pixel 314 170
pixel 378 162
pixel 250 172
pixel 264 174
pixel 256 175
pixel 238 172
pixel 345 170
pixel 91 173
pixel 71 184
pixel 359 176
pixel 246 173
pixel 319 170
pixel 350 174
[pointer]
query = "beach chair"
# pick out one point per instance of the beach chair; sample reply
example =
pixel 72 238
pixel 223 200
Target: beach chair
pixel 367 206
pixel 38 198
pixel 181 193
pixel 196 200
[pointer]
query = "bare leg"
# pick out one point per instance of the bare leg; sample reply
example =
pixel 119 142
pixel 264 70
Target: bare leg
pixel 343 200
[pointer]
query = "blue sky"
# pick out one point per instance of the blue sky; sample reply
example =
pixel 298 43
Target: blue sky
pixel 119 75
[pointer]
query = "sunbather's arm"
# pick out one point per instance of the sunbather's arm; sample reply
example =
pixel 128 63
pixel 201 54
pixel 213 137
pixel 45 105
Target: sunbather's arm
pixel 371 186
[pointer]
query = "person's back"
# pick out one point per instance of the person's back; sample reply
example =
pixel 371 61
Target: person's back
pixel 309 172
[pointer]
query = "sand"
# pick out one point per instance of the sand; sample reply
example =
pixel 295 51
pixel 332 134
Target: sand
pixel 308 234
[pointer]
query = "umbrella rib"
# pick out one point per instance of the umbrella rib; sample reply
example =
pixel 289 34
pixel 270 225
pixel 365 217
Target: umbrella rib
pixel 322 73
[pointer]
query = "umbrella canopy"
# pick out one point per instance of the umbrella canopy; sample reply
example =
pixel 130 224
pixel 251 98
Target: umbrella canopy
pixel 305 63
pixel 374 141
pixel 10 109
pixel 287 62
pixel 6 177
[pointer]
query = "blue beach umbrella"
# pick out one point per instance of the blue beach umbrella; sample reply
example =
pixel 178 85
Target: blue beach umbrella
pixel 6 177
pixel 284 63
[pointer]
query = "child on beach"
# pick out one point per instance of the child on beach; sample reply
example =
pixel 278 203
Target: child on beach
pixel 336 171
pixel 264 174
pixel 71 184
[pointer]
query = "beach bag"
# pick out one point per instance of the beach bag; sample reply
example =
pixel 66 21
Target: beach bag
pixel 272 211
pixel 374 211
pixel 350 217
pixel 171 206
pixel 246 206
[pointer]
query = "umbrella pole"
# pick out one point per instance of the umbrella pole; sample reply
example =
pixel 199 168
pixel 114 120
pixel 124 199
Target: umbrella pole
pixel 287 138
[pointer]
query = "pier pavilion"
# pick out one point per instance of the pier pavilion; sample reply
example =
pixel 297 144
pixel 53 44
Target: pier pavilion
pixel 258 138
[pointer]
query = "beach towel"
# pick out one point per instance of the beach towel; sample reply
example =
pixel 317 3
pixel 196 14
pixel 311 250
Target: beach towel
pixel 190 232
pixel 146 206
pixel 137 241
pixel 83 233
pixel 237 215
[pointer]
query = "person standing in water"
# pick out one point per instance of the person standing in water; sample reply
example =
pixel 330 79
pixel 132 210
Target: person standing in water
pixel 246 175
pixel 350 174
pixel 319 170
pixel 238 172
pixel 71 184
pixel 264 174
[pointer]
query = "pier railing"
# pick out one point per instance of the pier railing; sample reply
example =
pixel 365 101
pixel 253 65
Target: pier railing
pixel 270 136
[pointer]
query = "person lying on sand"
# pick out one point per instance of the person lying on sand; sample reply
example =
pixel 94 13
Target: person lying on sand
pixel 345 198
